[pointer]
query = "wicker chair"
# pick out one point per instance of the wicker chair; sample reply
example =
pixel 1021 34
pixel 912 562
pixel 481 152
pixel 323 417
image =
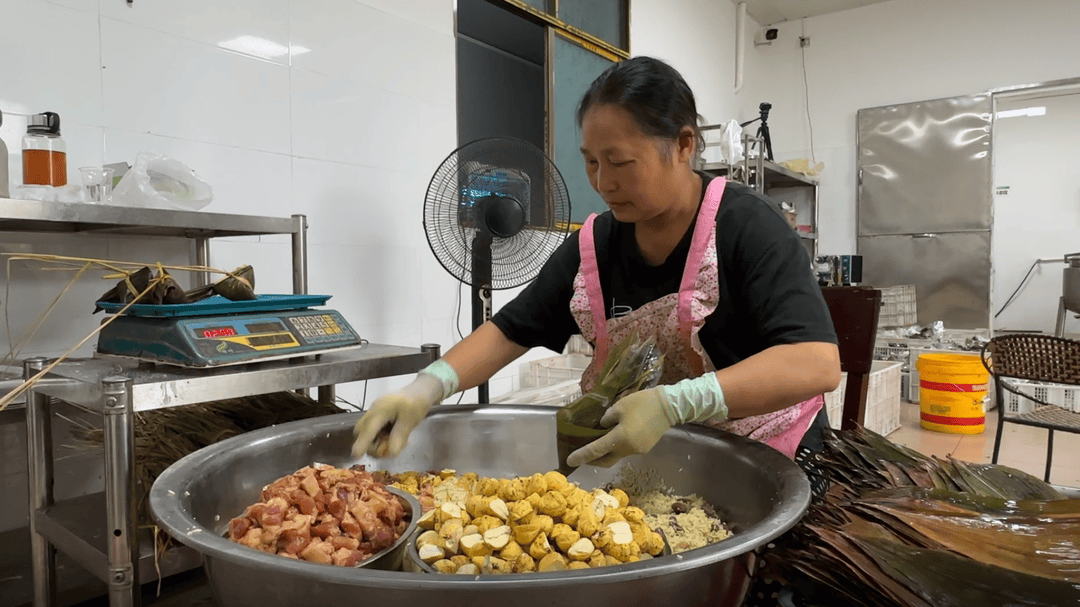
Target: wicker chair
pixel 1040 358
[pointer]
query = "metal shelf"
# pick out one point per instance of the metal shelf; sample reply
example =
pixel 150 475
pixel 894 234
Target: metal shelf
pixel 63 217
pixel 776 176
pixel 78 524
pixel 79 382
pixel 117 388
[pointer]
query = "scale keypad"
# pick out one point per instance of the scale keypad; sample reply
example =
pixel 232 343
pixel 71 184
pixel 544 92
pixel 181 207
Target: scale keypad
pixel 320 328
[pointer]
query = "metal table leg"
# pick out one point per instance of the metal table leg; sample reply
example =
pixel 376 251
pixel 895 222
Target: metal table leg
pixel 40 469
pixel 202 258
pixel 299 255
pixel 300 283
pixel 119 425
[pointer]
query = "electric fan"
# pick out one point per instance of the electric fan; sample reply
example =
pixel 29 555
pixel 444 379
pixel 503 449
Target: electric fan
pixel 494 212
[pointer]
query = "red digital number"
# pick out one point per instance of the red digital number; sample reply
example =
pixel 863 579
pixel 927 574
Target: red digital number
pixel 223 332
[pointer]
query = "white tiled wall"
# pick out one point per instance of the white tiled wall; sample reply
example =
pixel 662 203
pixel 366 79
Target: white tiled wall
pixel 338 109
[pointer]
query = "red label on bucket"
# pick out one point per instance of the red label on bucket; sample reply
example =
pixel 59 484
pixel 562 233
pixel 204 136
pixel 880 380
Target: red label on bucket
pixel 953 421
pixel 940 387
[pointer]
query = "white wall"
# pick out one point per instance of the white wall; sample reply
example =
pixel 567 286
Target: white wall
pixel 896 52
pixel 348 130
pixel 697 37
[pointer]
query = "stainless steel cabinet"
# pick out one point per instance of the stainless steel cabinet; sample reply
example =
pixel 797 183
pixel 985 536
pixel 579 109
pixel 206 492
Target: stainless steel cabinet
pixel 924 208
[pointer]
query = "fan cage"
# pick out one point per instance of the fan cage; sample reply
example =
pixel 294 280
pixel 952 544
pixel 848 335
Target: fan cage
pixel 504 167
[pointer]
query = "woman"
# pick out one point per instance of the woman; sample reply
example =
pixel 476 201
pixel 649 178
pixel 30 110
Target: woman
pixel 712 269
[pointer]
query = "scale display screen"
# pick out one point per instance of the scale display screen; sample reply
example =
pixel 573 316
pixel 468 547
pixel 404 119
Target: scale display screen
pixel 265 327
pixel 218 332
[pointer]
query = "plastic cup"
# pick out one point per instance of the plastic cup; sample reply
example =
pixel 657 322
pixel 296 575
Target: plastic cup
pixel 97 183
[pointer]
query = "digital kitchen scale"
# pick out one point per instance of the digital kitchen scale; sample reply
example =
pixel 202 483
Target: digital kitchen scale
pixel 216 332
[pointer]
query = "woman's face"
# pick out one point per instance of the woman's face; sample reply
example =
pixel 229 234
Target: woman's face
pixel 634 173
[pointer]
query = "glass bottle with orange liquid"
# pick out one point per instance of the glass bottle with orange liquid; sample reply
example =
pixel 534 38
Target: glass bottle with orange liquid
pixel 44 152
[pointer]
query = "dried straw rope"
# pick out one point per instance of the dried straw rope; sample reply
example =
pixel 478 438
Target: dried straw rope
pixel 83 264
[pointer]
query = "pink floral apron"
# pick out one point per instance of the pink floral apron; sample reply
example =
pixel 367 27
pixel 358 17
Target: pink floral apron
pixel 675 321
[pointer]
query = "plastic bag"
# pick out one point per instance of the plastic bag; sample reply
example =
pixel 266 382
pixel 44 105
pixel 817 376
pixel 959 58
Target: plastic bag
pixel 731 147
pixel 159 182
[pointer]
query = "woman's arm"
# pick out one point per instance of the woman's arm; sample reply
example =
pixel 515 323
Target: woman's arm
pixel 779 377
pixel 482 354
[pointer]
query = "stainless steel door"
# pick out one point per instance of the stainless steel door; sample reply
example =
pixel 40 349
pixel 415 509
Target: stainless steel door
pixel 951 273
pixel 924 167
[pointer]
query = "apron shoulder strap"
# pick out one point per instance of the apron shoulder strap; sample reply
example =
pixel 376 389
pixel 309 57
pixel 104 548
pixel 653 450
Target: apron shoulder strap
pixel 703 230
pixel 590 271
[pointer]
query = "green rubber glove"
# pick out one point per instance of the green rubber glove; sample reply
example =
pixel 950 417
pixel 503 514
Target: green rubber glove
pixel 640 419
pixel 384 429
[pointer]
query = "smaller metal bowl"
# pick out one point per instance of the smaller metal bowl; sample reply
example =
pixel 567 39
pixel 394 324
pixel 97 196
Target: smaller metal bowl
pixel 413 563
pixel 387 559
pixel 391 557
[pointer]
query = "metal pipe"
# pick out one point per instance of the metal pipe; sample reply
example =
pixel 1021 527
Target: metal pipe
pixel 40 469
pixel 299 254
pixel 435 350
pixel 202 258
pixel 327 394
pixel 740 45
pixel 119 426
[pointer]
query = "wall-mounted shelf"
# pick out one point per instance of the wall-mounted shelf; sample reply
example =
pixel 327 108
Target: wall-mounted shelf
pixel 63 217
pixel 775 181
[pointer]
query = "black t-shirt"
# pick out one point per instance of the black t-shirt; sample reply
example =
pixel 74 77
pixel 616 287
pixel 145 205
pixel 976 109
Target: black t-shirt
pixel 768 293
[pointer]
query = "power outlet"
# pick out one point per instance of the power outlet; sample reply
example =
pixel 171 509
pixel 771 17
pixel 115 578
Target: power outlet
pixel 804 41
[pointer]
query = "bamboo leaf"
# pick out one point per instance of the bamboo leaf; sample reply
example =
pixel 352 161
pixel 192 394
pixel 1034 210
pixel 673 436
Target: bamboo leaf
pixel 944 579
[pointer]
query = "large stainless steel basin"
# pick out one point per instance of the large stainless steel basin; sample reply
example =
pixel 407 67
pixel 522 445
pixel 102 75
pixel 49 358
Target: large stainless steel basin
pixel 757 490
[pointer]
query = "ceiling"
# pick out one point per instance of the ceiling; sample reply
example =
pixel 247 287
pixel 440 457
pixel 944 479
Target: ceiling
pixel 769 12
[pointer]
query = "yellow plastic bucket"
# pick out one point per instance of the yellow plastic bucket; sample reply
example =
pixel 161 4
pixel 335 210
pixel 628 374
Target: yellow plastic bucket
pixel 952 388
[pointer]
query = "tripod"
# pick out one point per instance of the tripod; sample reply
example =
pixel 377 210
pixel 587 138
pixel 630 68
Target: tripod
pixel 763 129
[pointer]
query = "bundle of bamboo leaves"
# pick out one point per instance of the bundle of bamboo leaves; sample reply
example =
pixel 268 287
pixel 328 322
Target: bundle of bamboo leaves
pixel 163 436
pixel 632 365
pixel 901 529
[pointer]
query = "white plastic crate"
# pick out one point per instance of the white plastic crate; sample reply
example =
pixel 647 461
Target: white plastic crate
pixel 898 306
pixel 1066 397
pixel 552 370
pixel 882 399
pixel 834 404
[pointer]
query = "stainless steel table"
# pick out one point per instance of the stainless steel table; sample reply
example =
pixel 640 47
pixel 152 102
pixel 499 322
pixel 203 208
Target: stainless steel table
pixel 105 541
pixel 116 388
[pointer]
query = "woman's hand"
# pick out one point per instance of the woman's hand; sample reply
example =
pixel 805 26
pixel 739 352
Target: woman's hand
pixel 399 411
pixel 468 364
pixel 642 418
pixel 639 421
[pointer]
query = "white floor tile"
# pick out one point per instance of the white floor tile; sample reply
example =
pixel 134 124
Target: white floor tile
pixel 1022 447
